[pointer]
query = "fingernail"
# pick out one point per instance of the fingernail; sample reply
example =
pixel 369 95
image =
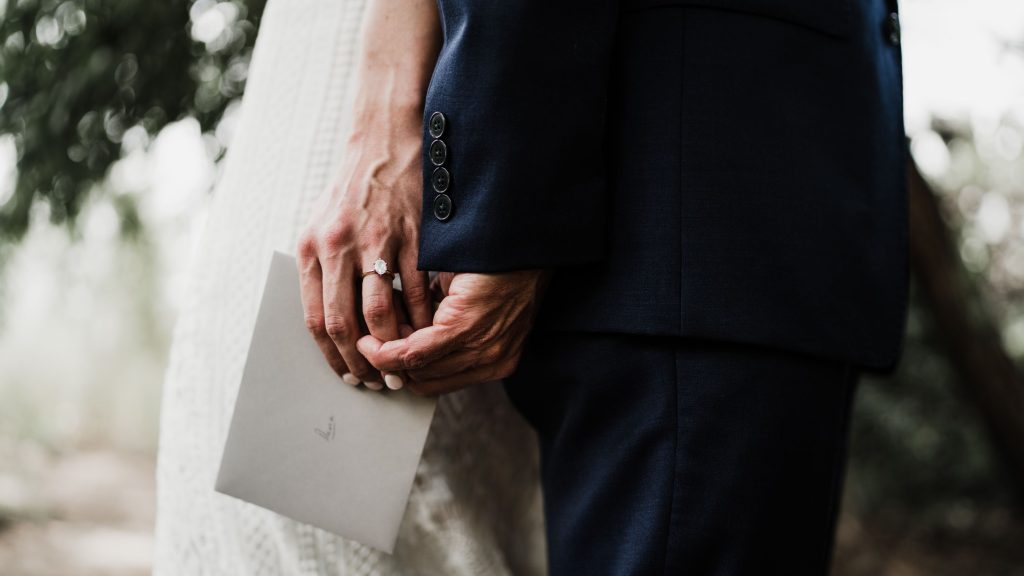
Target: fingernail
pixel 350 378
pixel 393 381
pixel 373 385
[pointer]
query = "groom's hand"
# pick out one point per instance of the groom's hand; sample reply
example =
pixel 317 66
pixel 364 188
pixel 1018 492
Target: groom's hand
pixel 477 335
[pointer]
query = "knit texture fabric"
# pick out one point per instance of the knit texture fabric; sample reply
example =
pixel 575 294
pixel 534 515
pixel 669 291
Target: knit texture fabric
pixel 475 506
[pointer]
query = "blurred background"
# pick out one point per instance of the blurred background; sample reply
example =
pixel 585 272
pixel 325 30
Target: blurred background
pixel 115 114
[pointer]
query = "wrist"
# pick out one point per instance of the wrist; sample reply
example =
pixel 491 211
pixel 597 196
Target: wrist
pixel 383 107
pixel 393 88
pixel 386 121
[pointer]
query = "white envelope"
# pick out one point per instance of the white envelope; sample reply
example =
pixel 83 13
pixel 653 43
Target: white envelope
pixel 305 444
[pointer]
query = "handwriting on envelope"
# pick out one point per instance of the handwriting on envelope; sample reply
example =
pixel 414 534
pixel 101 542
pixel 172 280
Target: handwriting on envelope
pixel 305 444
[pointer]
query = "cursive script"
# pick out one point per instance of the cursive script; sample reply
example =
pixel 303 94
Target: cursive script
pixel 328 434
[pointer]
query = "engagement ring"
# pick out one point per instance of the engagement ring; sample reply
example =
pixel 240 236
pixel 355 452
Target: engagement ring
pixel 380 268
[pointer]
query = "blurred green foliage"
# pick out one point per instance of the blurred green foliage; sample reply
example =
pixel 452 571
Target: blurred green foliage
pixel 76 75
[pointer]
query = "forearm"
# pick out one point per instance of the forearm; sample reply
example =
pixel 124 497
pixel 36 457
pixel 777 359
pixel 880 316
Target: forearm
pixel 370 210
pixel 398 50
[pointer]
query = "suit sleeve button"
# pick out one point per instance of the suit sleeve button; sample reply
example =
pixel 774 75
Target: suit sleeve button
pixel 442 207
pixel 440 179
pixel 438 152
pixel 436 125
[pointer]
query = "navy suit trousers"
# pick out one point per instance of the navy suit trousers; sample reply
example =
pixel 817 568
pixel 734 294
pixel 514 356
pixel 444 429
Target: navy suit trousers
pixel 667 455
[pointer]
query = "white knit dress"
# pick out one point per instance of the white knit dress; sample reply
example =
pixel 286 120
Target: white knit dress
pixel 475 505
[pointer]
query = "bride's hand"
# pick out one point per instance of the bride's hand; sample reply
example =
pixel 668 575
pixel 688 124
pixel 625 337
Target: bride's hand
pixel 371 211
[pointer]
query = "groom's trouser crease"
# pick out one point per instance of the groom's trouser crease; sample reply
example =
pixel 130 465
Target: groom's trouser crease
pixel 665 455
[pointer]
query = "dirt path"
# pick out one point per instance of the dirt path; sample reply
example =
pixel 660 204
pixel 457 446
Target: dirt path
pixel 88 514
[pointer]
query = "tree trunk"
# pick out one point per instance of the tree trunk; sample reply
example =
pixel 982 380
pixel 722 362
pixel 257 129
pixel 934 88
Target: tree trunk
pixel 971 334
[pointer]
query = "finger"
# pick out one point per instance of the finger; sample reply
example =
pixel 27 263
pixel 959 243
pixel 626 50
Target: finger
pixel 404 328
pixel 436 293
pixel 341 318
pixel 399 303
pixel 379 307
pixel 457 381
pixel 311 289
pixel 416 290
pixel 380 316
pixel 459 361
pixel 444 281
pixel 413 352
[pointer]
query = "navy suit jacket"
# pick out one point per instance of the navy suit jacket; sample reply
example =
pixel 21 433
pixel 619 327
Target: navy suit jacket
pixel 727 169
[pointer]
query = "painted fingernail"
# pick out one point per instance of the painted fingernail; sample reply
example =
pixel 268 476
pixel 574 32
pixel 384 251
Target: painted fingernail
pixel 393 381
pixel 373 385
pixel 350 378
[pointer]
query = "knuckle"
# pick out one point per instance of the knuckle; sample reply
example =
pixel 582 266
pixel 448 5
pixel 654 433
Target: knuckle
pixel 306 247
pixel 316 326
pixel 376 309
pixel 376 231
pixel 411 231
pixel 373 237
pixel 508 368
pixel 492 355
pixel 337 235
pixel 338 328
pixel 413 360
pixel 416 294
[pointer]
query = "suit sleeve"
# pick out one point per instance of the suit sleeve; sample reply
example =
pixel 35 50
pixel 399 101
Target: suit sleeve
pixel 514 135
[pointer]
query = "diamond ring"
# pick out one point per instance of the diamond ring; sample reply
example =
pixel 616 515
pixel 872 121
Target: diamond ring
pixel 380 268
